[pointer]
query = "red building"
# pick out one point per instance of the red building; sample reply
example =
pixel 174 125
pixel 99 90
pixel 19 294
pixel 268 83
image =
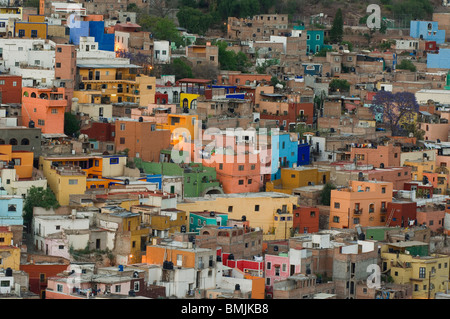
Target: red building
pixel 103 132
pixel 161 98
pixel 306 219
pixel 11 89
pixel 39 268
pixel 400 213
pixel 297 112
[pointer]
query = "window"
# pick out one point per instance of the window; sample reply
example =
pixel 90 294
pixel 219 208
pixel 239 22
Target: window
pixel 59 288
pixel 122 127
pixel 317 36
pixel 269 265
pixel 249 181
pixel 117 288
pixel 12 208
pixel 61 247
pixel 41 122
pixel 136 286
pixel 241 167
pixel 114 160
pixel 335 219
pixel 383 190
pixel 256 208
pixel 41 277
pixel 21 33
pixel 122 140
pixel 422 273
pixel 58 50
pixel 252 167
pixel 230 209
pixel 337 205
pixel 58 64
pixel 312 214
pixel 54 111
pixel 241 182
pixel 220 166
pixel 73 181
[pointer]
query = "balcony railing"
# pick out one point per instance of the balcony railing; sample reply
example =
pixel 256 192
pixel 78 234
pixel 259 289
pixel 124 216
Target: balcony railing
pixel 357 211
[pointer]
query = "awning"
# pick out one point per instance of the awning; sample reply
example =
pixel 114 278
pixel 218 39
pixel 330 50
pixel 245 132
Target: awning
pixel 425 113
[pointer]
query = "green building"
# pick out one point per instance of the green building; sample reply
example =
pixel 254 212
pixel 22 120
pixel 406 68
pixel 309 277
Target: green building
pixel 199 180
pixel 198 220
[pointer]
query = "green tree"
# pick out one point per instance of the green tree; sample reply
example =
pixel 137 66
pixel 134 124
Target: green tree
pixel 416 9
pixel 407 65
pixel 38 197
pixel 178 67
pixel 339 85
pixel 325 194
pixel 337 29
pixel 71 124
pixel 194 20
pixel 229 60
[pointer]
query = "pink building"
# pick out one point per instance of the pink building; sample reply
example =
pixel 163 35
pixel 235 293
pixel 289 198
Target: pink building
pixel 435 131
pixel 280 267
pixel 380 156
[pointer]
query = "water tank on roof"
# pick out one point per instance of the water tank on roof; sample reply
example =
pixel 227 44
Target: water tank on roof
pixel 167 265
pixel 231 257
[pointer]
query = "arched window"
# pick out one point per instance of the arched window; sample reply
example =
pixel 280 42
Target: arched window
pixel 25 141
pixel 43 96
pixel 33 95
pixel 194 104
pixel 13 141
pixel 2 142
pixel 25 93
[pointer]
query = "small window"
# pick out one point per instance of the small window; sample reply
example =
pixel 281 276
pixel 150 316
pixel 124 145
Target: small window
pixel 337 205
pixel 73 182
pixel 256 208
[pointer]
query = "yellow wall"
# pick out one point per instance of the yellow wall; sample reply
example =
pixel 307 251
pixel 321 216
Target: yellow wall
pixel 410 275
pixel 189 97
pixel 9 256
pixel 36 18
pixel 141 89
pixel 28 26
pixel 245 206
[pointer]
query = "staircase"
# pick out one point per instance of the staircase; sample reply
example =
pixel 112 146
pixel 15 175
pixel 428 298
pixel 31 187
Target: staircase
pixel 390 217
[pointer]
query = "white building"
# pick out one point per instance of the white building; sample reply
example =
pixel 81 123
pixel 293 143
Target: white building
pixel 161 51
pixel 14 186
pixel 33 59
pixel 46 225
pixel 406 44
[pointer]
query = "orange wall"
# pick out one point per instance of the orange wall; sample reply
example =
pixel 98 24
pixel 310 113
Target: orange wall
pixel 41 109
pixel 25 170
pixel 376 156
pixel 155 256
pixel 258 287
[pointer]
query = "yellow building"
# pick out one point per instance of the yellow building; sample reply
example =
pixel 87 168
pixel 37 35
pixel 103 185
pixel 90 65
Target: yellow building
pixel 109 83
pixel 297 177
pixel 181 126
pixel 419 167
pixel 9 254
pixel 38 30
pixel 409 263
pixel 63 180
pixel 270 211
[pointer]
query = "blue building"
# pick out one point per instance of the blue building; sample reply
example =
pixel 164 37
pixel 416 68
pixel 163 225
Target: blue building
pixel 155 179
pixel 94 29
pixel 303 154
pixel 11 209
pixel 439 60
pixel 284 152
pixel 426 30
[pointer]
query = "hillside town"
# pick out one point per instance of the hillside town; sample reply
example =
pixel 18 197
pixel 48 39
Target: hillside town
pixel 272 155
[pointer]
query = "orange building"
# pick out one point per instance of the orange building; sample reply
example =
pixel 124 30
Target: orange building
pixel 363 203
pixel 142 139
pixel 379 156
pixel 181 126
pixel 238 173
pixel 45 107
pixel 23 161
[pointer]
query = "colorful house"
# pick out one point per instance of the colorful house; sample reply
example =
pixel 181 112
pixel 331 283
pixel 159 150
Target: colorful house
pixel 21 161
pixel 426 30
pixel 11 210
pixel 45 108
pixel 291 178
pixel 192 89
pixel 284 152
pixel 315 41
pixel 409 263
pixel 269 211
pixel 199 219
pixel 363 203
pixel 9 254
pixel 114 83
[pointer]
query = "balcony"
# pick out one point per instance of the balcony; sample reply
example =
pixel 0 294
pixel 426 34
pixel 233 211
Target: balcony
pixel 383 210
pixel 357 211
